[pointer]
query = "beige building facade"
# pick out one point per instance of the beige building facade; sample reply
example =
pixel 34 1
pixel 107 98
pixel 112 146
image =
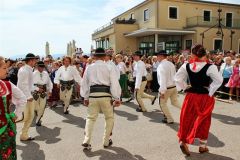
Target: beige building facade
pixel 173 25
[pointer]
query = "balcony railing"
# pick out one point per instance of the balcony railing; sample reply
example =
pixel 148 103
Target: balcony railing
pixel 110 25
pixel 105 27
pixel 198 21
pixel 124 21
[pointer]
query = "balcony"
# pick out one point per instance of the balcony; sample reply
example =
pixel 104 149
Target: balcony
pixel 123 21
pixel 110 25
pixel 103 28
pixel 198 21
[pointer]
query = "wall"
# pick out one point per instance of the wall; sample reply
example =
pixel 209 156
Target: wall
pixel 122 42
pixel 189 9
pixel 211 34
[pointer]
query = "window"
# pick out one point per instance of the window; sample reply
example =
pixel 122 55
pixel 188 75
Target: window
pixel 188 44
pixel 132 16
pixel 173 13
pixel 146 14
pixel 206 16
pixel 217 44
pixel 229 19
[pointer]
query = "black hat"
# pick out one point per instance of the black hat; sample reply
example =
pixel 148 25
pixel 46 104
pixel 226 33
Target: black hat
pixel 138 53
pixel 99 51
pixel 40 64
pixel 85 56
pixel 30 56
pixel 162 52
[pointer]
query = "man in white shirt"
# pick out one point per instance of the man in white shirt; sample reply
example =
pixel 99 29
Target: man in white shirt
pixel 100 85
pixel 139 75
pixel 166 72
pixel 41 80
pixel 25 83
pixel 108 60
pixel 65 77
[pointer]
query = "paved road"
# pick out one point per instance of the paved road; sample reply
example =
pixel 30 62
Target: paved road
pixel 137 136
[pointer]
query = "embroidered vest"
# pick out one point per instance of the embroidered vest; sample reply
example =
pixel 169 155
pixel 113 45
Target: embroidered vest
pixel 3 120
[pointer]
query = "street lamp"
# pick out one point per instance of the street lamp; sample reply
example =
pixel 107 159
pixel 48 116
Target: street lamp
pixel 219 25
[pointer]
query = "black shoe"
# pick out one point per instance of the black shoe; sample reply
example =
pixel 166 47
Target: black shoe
pixel 139 110
pixel 165 121
pixel 66 112
pixel 154 100
pixel 29 139
pixel 110 144
pixel 86 146
pixel 39 123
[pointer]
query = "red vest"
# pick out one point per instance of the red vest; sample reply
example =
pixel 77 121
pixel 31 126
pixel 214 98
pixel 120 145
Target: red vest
pixel 3 120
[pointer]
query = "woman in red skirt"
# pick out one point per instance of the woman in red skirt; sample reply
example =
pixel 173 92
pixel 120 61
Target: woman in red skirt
pixel 9 93
pixel 195 119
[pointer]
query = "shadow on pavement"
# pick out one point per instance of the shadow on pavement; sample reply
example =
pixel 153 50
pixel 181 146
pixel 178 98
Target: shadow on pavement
pixel 71 119
pixel 31 151
pixel 129 116
pixel 115 153
pixel 213 141
pixel 155 116
pixel 207 156
pixel 131 105
pixel 48 135
pixel 227 119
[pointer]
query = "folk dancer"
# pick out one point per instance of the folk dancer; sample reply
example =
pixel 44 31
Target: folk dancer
pixel 108 60
pixel 123 76
pixel 41 80
pixel 25 84
pixel 199 102
pixel 9 93
pixel 165 73
pixel 100 85
pixel 65 77
pixel 139 75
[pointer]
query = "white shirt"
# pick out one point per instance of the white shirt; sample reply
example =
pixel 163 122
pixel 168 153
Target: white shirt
pixel 42 79
pixel 67 74
pixel 182 76
pixel 165 73
pixel 25 80
pixel 139 71
pixel 115 68
pixel 155 66
pixel 122 67
pixel 18 99
pixel 100 73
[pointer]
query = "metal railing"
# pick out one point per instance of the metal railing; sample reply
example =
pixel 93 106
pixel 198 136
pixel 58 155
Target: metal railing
pixel 201 21
pixel 104 27
pixel 110 24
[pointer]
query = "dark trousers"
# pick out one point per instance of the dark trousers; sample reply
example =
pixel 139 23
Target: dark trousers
pixel 224 89
pixel 154 85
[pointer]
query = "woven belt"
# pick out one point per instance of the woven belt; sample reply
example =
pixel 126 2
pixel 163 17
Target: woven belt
pixel 99 88
pixel 66 85
pixel 42 86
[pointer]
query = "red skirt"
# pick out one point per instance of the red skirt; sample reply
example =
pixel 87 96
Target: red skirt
pixel 195 119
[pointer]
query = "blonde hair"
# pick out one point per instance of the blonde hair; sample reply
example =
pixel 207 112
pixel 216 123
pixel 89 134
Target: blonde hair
pixel 119 56
pixel 67 57
pixel 2 60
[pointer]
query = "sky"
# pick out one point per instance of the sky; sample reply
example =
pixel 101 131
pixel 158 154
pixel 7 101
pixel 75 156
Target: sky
pixel 26 25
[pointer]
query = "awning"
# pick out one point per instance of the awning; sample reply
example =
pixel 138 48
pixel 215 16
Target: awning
pixel 149 31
